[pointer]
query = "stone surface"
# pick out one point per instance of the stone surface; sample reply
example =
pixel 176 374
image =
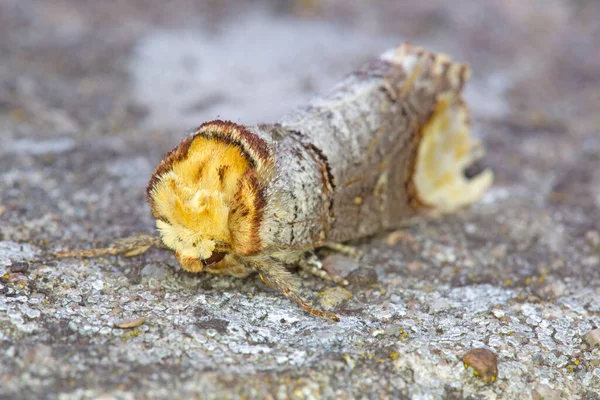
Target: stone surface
pixel 93 93
pixel 483 362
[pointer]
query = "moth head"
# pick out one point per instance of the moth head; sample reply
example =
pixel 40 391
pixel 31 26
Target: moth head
pixel 207 195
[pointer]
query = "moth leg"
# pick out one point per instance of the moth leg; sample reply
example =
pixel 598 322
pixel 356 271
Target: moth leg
pixel 311 264
pixel 344 249
pixel 275 275
pixel 129 247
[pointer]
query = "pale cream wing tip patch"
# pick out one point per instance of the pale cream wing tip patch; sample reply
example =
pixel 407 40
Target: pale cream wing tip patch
pixel 447 149
pixel 461 193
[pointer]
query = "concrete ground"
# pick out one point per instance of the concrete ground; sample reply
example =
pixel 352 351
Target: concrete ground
pixel 93 93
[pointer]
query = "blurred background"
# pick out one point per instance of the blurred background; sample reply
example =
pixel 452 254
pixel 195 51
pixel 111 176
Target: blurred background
pixel 93 93
pixel 74 65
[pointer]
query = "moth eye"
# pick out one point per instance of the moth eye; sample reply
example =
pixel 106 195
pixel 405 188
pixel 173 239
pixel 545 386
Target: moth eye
pixel 194 244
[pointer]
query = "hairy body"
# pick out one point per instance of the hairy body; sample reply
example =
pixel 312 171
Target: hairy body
pixel 390 143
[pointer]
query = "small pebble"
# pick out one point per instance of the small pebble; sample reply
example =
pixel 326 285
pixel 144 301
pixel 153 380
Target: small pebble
pixel 334 297
pixel 483 362
pixel 130 323
pixel 362 277
pixel 19 267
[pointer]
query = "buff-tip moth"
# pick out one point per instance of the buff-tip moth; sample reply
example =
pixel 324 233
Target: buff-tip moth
pixel 392 142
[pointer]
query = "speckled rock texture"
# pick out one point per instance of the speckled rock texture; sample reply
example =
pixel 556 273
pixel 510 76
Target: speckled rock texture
pixel 93 93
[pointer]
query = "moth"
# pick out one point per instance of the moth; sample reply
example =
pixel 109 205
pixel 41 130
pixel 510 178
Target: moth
pixel 390 143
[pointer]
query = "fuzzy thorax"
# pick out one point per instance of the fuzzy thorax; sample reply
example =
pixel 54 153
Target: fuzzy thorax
pixel 206 195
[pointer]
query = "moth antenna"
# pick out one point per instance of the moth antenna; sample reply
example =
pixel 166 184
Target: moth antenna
pixel 129 247
pixel 276 276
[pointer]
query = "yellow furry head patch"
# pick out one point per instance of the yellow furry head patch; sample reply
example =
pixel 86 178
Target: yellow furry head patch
pixel 207 195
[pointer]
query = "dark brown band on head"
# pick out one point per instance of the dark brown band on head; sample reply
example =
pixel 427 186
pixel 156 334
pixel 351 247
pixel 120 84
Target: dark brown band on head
pixel 253 148
pixel 260 204
pixel 231 132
